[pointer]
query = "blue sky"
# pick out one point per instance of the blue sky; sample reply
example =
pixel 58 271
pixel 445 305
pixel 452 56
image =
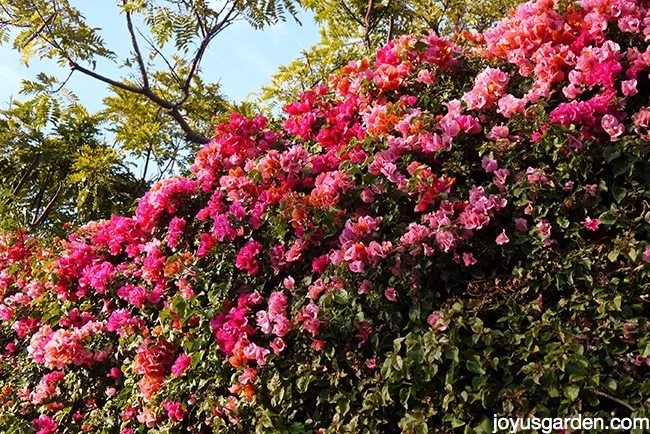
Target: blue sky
pixel 241 59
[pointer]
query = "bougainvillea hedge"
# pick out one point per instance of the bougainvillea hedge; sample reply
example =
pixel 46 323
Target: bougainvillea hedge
pixel 433 237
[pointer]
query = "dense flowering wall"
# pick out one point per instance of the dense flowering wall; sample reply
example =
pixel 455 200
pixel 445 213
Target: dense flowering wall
pixel 432 238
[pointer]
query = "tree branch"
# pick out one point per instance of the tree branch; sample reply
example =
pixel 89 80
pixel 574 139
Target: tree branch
pixel 136 48
pixel 28 172
pixel 371 3
pixel 390 29
pixel 34 35
pixel 143 180
pixel 214 30
pixel 172 69
pixel 616 400
pixel 202 27
pixel 62 85
pixel 43 216
pixel 38 200
pixel 351 14
pixel 190 134
pixel 75 66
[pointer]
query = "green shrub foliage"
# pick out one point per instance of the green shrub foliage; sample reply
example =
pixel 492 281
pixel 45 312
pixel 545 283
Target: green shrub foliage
pixel 435 237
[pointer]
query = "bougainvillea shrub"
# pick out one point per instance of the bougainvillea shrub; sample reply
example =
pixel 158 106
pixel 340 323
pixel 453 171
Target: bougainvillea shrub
pixel 434 237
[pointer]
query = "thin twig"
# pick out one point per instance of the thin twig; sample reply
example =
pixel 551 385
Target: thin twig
pixel 62 85
pixel 351 14
pixel 172 69
pixel 136 48
pixel 28 172
pixel 214 31
pixel 616 400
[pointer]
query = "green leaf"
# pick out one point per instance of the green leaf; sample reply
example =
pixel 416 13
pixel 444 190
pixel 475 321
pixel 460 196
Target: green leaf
pixel 343 406
pixel 610 153
pixel 613 255
pixel 404 395
pixel 618 192
pixel 610 384
pixel 474 365
pixel 296 428
pixel 572 392
pixel 607 218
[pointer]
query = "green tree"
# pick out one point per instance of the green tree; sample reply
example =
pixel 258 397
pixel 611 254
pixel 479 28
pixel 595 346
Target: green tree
pixel 160 109
pixel 56 166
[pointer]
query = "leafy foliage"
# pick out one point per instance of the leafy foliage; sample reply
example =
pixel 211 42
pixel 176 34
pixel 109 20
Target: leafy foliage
pixel 438 237
pixel 57 168
pixel 157 115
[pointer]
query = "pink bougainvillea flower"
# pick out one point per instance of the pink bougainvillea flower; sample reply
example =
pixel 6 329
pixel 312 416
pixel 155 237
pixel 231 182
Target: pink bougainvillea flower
pixel 612 126
pixel 502 238
pixel 521 224
pixel 592 189
pixel 591 224
pixel 468 259
pixel 490 85
pixel 278 345
pixel 544 228
pixel 45 425
pixel 646 253
pixel 181 364
pixel 289 283
pixel 246 258
pixel 435 321
pixel 174 410
pixel 489 164
pixel 147 417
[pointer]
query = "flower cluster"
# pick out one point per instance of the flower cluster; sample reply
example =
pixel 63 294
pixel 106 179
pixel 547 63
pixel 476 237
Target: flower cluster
pixel 422 239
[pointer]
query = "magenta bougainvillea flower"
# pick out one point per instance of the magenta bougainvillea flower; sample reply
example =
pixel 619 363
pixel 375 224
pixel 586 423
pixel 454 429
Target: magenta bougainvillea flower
pixel 415 243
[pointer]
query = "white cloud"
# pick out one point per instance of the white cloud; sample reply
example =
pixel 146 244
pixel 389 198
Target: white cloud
pixel 280 34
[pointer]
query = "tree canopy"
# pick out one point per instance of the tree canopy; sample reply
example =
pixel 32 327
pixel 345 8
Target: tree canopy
pixel 160 109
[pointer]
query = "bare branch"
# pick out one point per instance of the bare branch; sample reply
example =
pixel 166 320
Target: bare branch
pixel 38 199
pixel 48 208
pixel 202 25
pixel 136 48
pixel 616 400
pixel 351 14
pixel 371 3
pixel 75 66
pixel 229 19
pixel 172 69
pixel 190 134
pixel 170 164
pixel 143 180
pixel 390 29
pixel 28 172
pixel 62 85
